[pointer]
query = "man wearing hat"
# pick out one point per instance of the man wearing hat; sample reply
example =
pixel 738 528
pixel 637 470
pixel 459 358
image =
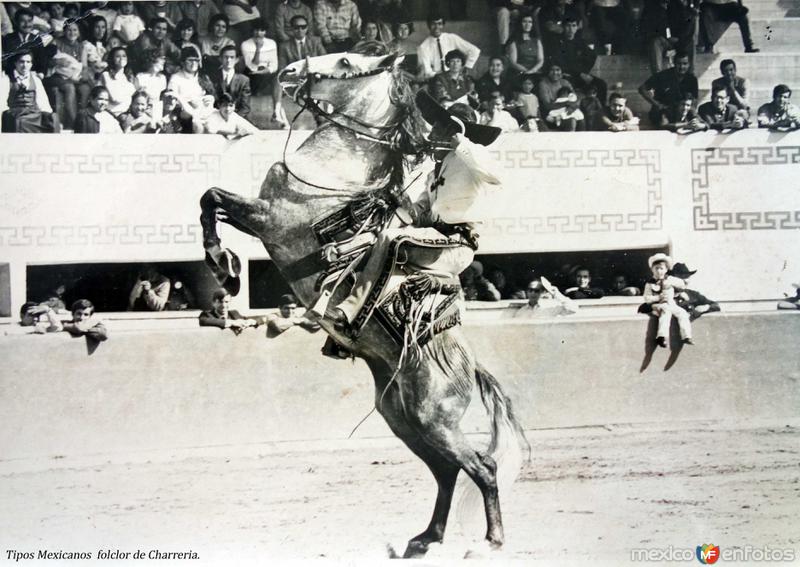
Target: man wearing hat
pixel 660 292
pixel 692 301
pixel 438 236
pixel 286 319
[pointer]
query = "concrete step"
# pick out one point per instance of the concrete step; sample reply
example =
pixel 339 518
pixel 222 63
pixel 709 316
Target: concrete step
pixel 769 35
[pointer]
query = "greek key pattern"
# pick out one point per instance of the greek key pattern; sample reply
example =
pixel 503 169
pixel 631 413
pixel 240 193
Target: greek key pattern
pixel 97 235
pixel 705 218
pixel 647 220
pixel 111 163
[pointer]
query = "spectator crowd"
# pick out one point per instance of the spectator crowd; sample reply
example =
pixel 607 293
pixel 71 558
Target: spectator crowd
pixel 193 66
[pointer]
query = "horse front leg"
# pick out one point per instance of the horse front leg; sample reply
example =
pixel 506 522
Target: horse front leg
pixel 244 214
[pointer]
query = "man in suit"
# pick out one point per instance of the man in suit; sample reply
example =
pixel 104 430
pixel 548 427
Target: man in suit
pixel 227 80
pixel 301 45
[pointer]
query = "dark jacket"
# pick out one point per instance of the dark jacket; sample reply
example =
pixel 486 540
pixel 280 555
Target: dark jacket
pixel 239 89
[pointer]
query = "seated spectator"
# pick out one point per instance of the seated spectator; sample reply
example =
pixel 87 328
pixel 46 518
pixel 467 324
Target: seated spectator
pixel 338 24
pixel 127 24
pixel 56 18
pixel 41 316
pixel 525 51
pixel 369 35
pixel 552 17
pixel 526 105
pixel 545 300
pixel 506 288
pixel 659 294
pixel 186 35
pixel 198 11
pixel 155 37
pixel 211 45
pixel 96 52
pixel 221 316
pixel 439 93
pixel 735 86
pixel 67 73
pixel 780 114
pixel 225 121
pixel 173 119
pixel 618 117
pixel 169 12
pixel 669 87
pixel 283 20
pixel 227 81
pixel 565 114
pixel 39 46
pixel 619 286
pixel 95 118
pixel 550 85
pixel 716 16
pixel 194 91
pixel 137 120
pixel 180 297
pixel 497 116
pixel 23 100
pixel 583 290
pixel 594 111
pixel 681 117
pixel 152 81
pixel 576 60
pixel 118 81
pixel 508 13
pixel 150 292
pixel 791 302
pixel 286 319
pixel 433 48
pixel 475 286
pixel 473 99
pixel 718 115
pixel 105 10
pixel 300 46
pixel 611 25
pixel 694 302
pixel 405 46
pixel 453 80
pixel 495 79
pixel 241 15
pixel 668 26
pixel 385 14
pixel 85 323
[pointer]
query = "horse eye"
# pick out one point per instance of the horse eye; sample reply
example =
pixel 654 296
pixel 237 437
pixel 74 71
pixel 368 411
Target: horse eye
pixel 344 61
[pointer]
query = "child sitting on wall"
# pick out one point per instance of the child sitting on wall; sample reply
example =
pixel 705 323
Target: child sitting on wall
pixel 659 293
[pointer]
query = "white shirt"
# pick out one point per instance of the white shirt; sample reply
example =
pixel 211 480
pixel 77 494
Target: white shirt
pixel 153 85
pixel 235 124
pixel 129 26
pixel 501 119
pixel 41 95
pixel 268 56
pixel 430 61
pixel 120 90
pixel 108 124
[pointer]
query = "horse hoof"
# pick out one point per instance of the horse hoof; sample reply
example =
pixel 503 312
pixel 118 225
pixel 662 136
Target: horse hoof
pixel 232 285
pixel 483 549
pixel 415 549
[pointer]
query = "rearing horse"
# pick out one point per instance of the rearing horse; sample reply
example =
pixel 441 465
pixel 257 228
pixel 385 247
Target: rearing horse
pixel 360 151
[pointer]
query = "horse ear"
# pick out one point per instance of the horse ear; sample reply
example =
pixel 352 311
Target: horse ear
pixel 392 60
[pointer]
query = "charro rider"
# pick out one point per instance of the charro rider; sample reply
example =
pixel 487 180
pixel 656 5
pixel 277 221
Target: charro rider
pixel 439 237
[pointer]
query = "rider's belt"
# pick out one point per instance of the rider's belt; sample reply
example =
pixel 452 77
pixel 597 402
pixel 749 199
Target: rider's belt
pixel 463 230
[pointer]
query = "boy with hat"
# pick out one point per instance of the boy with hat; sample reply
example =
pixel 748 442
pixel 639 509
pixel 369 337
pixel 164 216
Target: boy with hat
pixel 692 301
pixel 659 292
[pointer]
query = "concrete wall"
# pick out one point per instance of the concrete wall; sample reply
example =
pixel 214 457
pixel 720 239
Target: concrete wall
pixel 201 387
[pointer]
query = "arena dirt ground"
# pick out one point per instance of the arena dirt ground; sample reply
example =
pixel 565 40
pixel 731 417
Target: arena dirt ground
pixel 590 495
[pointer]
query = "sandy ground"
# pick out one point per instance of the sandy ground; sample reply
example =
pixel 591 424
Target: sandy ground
pixel 589 496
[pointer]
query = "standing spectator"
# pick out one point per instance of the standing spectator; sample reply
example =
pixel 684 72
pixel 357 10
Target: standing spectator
pixel 23 100
pixel 618 117
pixel 659 293
pixel 610 22
pixel 227 81
pixel 117 81
pixel 508 12
pixel 576 60
pixel 550 85
pixel 583 289
pixel 284 17
pixel 735 86
pixel 433 48
pixel 495 79
pixel 545 300
pixel 526 105
pixel 719 115
pixel 669 87
pixel 525 51
pixel 225 121
pixel 286 318
pixel 155 37
pixel 780 113
pixel 716 15
pixel 222 316
pixel 39 46
pixel 668 25
pixel 497 116
pixel 150 292
pixel 95 118
pixel 63 84
pixel 453 80
pixel 186 35
pixel 681 117
pixel 198 11
pixel 169 12
pixel 136 120
pixel 338 24
pixel 211 45
pixel 153 81
pixel 241 15
pixel 300 46
pixel 127 24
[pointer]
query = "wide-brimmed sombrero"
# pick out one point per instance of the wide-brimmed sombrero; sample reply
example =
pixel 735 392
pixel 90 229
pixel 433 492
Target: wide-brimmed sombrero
pixel 434 113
